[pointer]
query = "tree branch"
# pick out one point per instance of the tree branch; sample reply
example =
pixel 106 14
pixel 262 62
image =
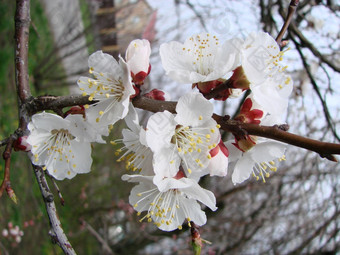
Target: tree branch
pixel 323 148
pixel 22 23
pixel 291 10
pixel 57 233
pixel 316 88
pixel 6 183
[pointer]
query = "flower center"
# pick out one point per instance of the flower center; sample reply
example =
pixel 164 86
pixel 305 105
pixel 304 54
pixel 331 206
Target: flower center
pixel 202 49
pixel 262 170
pixel 57 147
pixel 191 142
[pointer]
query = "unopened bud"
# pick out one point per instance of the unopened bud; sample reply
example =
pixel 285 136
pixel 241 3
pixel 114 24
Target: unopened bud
pixel 11 194
pixel 138 59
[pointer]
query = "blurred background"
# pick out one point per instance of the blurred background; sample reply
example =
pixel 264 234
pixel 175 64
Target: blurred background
pixel 295 212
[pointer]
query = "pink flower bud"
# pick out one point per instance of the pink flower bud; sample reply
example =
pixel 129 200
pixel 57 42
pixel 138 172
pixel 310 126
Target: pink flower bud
pixel 138 59
pixel 21 144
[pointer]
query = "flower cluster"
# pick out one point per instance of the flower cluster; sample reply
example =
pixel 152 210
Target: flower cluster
pixel 175 149
pixel 13 233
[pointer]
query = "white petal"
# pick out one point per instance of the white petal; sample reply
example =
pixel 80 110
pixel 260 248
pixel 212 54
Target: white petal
pixel 160 129
pixel 172 183
pixel 132 120
pixel 243 169
pixel 166 162
pixel 82 161
pixel 218 165
pixel 105 63
pixel 49 121
pixel 234 153
pixel 193 110
pixel 196 192
pixel 264 152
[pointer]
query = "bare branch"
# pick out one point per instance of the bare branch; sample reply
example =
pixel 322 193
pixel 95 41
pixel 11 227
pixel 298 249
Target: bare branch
pixel 291 10
pixel 6 183
pixel 57 233
pixel 316 88
pixel 22 22
pixel 106 247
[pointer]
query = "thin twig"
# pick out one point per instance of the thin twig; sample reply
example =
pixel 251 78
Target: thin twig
pixel 62 201
pixel 56 232
pixel 316 89
pixel 6 183
pixel 291 10
pixel 105 245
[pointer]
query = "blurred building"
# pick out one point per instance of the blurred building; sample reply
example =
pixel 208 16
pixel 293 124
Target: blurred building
pixel 118 22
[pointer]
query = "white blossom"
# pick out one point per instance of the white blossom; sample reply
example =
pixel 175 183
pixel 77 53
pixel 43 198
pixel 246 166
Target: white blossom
pixel 170 203
pixel 110 89
pixel 61 146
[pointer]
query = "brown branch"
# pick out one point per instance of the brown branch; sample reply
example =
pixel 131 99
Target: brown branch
pixel 56 232
pixel 6 183
pixel 22 23
pixel 306 43
pixel 291 10
pixel 323 148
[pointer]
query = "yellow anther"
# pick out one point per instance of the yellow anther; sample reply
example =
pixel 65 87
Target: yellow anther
pixel 86 106
pixel 209 156
pixel 101 113
pixel 113 142
pixel 91 70
pixel 200 117
pixel 274 169
pixel 97 120
pixel 218 126
pixel 90 98
pixel 189 171
pixel 84 94
pixel 207 136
